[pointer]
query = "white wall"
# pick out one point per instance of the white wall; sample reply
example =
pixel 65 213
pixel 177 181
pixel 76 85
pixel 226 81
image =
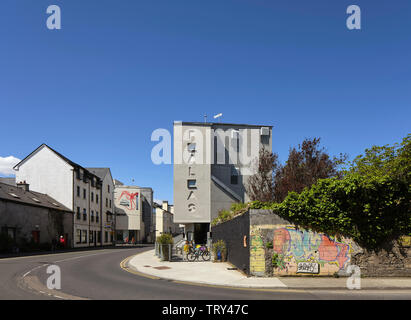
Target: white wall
pixel 134 216
pixel 48 173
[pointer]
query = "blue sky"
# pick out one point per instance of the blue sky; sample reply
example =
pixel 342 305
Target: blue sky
pixel 117 70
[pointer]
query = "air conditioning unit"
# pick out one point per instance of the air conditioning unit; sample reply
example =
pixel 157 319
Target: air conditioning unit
pixel 265 131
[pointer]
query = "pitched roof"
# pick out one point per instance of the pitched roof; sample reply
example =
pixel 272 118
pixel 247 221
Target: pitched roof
pixel 73 164
pixel 10 181
pixel 18 195
pixel 99 172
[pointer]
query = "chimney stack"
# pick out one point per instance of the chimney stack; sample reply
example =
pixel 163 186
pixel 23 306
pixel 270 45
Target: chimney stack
pixel 165 205
pixel 23 185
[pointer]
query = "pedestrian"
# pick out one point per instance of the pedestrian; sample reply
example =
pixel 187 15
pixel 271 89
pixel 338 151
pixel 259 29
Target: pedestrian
pixel 62 242
pixel 186 250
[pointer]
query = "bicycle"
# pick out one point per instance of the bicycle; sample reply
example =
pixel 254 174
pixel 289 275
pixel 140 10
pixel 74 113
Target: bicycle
pixel 195 253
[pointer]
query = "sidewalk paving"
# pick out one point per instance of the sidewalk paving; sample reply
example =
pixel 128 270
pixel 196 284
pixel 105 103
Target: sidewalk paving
pixel 204 272
pixel 218 274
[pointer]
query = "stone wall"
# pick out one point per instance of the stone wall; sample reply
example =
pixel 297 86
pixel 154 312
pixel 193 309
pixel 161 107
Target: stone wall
pixel 300 252
pixel 393 260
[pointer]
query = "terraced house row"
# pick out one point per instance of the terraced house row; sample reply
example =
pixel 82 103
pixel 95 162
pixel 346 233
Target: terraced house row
pixel 89 194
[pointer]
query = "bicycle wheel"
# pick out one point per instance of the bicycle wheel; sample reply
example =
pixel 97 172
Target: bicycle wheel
pixel 206 256
pixel 191 256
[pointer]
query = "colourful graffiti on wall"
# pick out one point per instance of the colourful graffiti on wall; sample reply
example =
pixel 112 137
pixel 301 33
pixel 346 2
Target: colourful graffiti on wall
pixel 306 246
pixel 129 200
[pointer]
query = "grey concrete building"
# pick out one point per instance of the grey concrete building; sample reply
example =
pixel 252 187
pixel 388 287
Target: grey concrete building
pixel 28 216
pixel 212 162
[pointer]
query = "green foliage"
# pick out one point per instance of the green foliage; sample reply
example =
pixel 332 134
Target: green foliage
pixel 277 260
pixel 394 161
pixel 269 245
pixel 220 245
pixel 236 208
pixel 371 203
pixel 165 238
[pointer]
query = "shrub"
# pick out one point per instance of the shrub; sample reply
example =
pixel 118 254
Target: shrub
pixel 220 246
pixel 165 238
pixel 236 208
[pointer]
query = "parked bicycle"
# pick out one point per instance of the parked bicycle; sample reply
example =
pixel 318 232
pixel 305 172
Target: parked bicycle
pixel 200 251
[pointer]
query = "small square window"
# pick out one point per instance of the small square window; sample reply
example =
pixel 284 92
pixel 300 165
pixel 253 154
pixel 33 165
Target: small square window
pixel 191 147
pixel 192 184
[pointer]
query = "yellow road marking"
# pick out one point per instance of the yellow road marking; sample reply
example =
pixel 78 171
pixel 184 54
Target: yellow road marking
pixel 123 265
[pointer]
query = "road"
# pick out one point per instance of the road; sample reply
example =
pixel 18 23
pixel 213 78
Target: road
pixel 96 274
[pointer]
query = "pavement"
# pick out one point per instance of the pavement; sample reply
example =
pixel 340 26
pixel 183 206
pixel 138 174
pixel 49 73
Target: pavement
pixel 222 274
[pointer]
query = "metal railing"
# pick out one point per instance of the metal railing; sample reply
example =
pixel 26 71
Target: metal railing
pixel 169 252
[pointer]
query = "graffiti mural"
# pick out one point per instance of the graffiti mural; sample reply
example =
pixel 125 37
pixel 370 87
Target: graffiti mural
pixel 257 255
pixel 292 248
pixel 129 200
pixel 302 246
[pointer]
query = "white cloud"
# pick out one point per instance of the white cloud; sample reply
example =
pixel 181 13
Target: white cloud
pixel 7 164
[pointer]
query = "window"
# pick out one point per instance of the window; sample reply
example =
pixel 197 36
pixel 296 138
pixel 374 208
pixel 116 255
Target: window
pixel 97 218
pixel 92 216
pixel 78 191
pixel 105 236
pixel 192 184
pixel 84 236
pixel 11 232
pixel 234 175
pixel 91 237
pixel 84 214
pixel 78 236
pixel 106 202
pixel 84 193
pixel 78 213
pixel 108 188
pixel 92 197
pixel 110 203
pixel 191 147
pixel 99 236
pixel 96 198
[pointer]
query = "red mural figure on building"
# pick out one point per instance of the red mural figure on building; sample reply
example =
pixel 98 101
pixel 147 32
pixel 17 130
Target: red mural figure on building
pixel 130 197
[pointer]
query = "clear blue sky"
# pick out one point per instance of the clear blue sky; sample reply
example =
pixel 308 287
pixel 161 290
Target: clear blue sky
pixel 96 89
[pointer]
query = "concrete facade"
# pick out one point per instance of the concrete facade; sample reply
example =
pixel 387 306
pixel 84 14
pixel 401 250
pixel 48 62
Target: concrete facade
pixel 134 214
pixel 212 162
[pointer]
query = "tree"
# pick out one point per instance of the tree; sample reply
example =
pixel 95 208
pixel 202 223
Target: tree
pixel 260 186
pixel 304 167
pixel 379 161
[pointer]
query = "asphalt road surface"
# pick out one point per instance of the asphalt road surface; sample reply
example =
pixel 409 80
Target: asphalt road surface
pixel 96 274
